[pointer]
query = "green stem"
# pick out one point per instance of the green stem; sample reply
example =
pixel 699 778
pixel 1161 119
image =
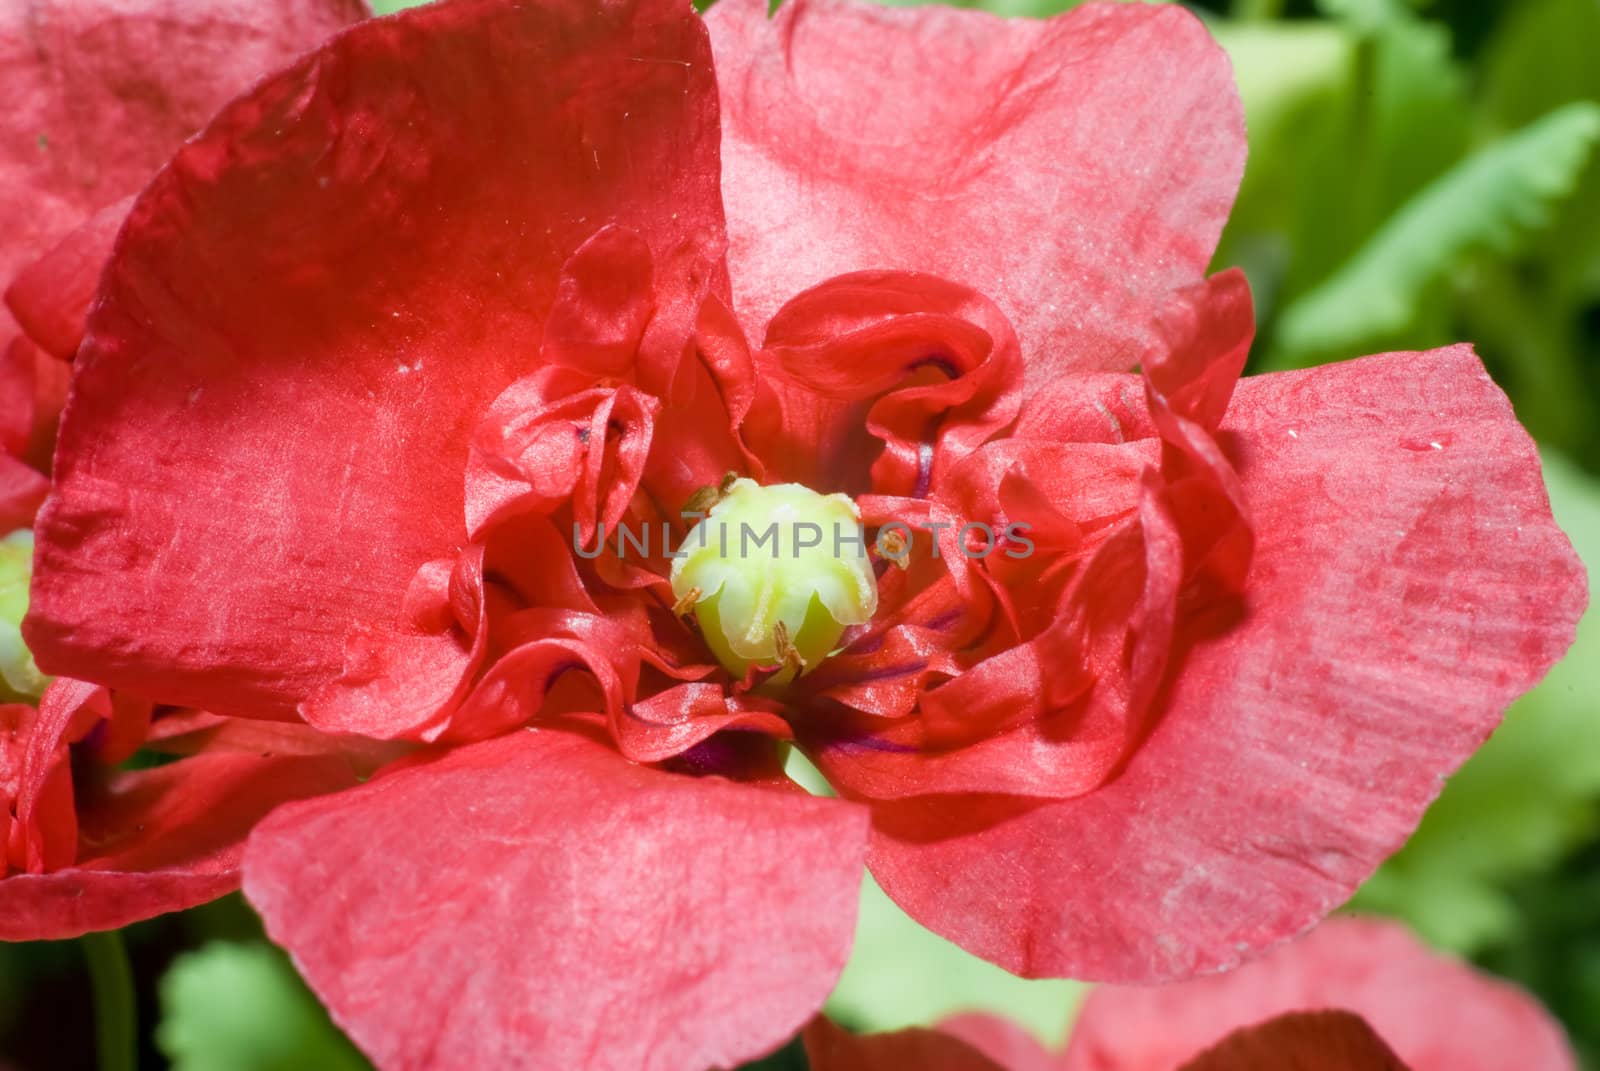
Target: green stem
pixel 114 1010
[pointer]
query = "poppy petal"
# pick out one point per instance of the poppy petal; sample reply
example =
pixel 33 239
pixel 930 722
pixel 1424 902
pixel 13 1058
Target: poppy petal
pixel 1437 1014
pixel 310 307
pixel 1074 170
pixel 50 297
pixel 1407 585
pixel 552 905
pixel 159 840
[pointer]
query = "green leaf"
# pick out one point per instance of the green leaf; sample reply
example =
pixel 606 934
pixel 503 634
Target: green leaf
pixel 1349 117
pixel 1403 124
pixel 1293 78
pixel 242 1007
pixel 901 974
pixel 1490 203
pixel 1527 798
pixel 1545 57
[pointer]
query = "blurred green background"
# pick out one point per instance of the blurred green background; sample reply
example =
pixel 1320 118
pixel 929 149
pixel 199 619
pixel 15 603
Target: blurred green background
pixel 1420 173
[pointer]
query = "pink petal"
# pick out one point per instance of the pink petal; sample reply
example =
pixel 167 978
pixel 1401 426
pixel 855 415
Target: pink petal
pixel 1437 1014
pixel 33 387
pixel 1055 715
pixel 1074 170
pixel 1408 584
pixel 883 380
pixel 537 901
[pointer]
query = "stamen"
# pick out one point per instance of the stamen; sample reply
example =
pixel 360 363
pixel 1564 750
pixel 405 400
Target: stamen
pixel 893 546
pixel 702 501
pixel 685 604
pixel 788 657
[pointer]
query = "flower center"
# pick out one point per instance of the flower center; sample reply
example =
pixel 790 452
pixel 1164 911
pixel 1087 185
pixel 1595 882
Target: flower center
pixel 774 575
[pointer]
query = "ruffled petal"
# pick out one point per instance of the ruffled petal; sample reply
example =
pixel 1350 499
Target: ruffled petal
pixel 1052 707
pixel 310 308
pixel 1435 1013
pixel 570 909
pixel 1075 170
pixel 543 445
pixel 676 719
pixel 1408 583
pixel 883 380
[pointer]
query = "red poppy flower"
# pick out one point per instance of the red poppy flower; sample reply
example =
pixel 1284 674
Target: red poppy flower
pixel 98 96
pixel 387 348
pixel 1353 995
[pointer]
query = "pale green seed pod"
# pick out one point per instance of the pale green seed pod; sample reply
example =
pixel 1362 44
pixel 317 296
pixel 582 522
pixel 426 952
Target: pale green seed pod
pixel 774 576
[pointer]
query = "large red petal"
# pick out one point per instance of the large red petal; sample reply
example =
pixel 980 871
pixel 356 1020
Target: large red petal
pixel 537 901
pixel 160 840
pixel 1437 1014
pixel 1408 584
pixel 99 94
pixel 309 309
pixel 1074 170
